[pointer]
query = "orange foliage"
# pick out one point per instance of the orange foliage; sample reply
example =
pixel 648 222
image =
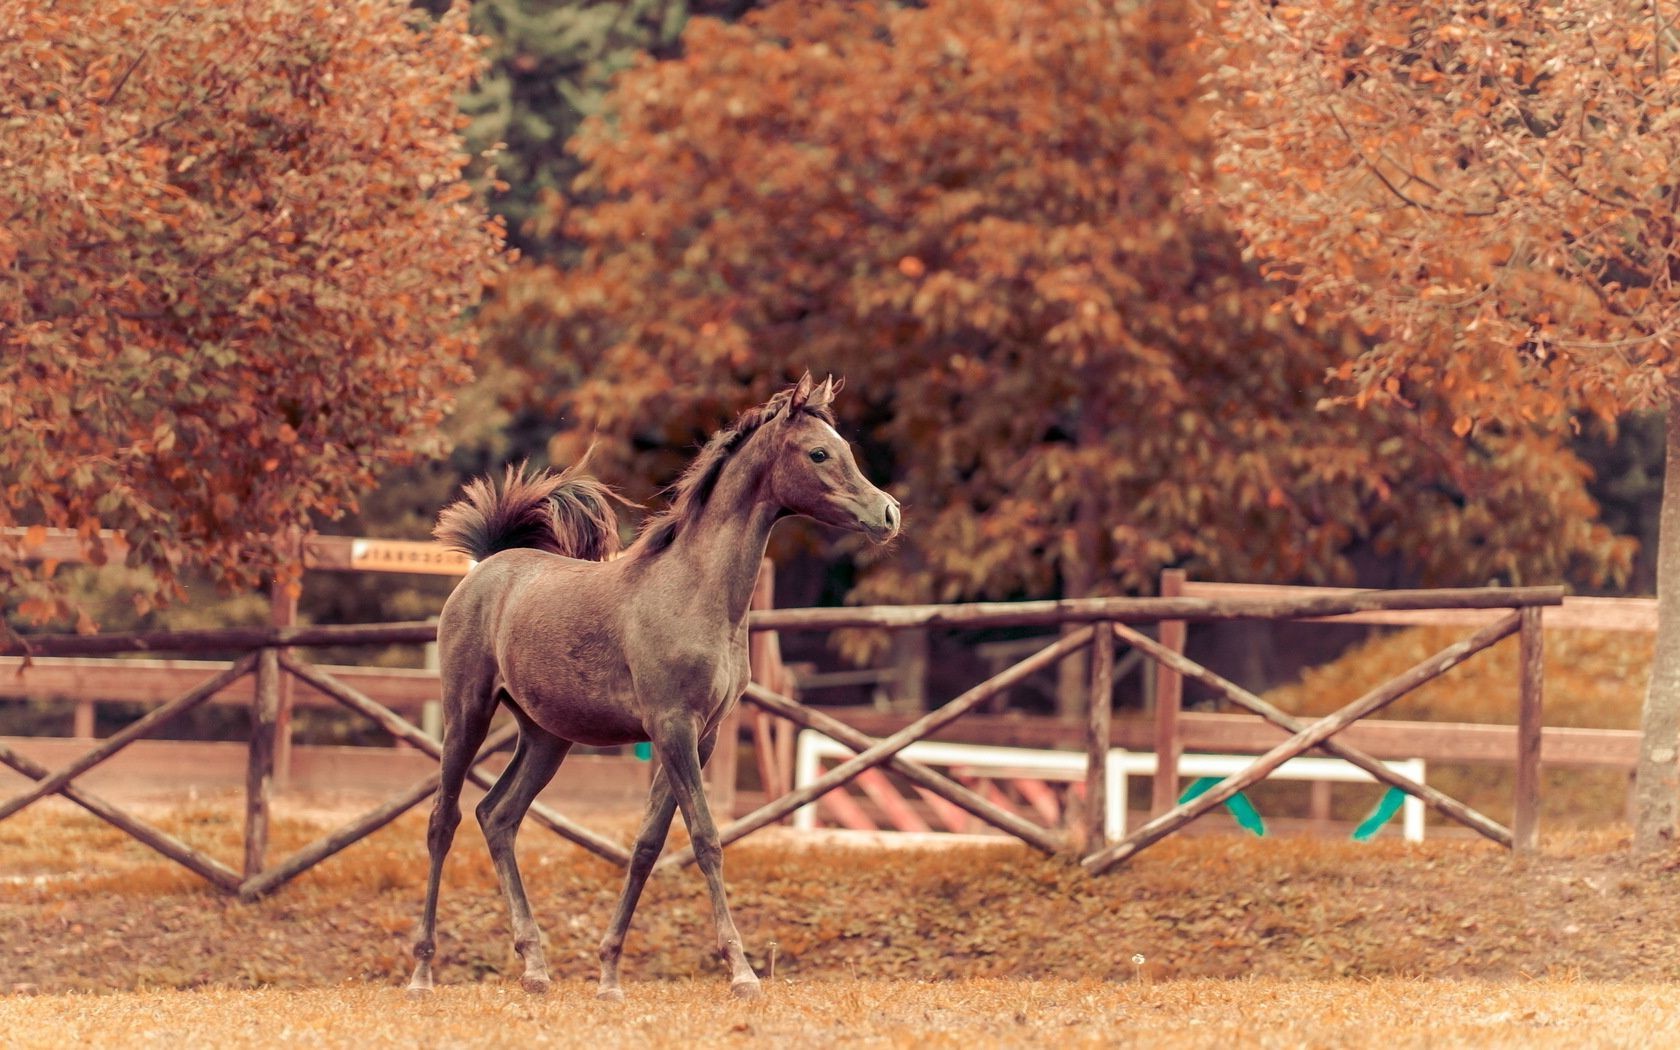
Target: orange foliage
pixel 238 250
pixel 1487 187
pixel 981 213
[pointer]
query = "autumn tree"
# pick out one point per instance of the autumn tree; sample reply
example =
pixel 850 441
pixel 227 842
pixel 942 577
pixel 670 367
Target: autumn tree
pixel 1489 190
pixel 237 249
pixel 977 212
pixel 548 64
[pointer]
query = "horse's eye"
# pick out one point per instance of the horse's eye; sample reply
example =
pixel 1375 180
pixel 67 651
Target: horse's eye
pixel 819 455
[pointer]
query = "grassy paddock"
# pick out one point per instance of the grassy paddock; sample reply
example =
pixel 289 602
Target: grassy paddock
pixel 966 1014
pixel 1275 942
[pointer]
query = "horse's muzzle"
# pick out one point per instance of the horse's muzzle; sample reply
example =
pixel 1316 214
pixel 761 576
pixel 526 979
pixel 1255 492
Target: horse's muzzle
pixel 885 523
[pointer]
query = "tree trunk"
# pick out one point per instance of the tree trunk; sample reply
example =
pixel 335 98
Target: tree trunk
pixel 1081 575
pixel 1657 784
pixel 1072 674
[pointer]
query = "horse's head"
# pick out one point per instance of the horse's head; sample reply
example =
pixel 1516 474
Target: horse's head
pixel 814 473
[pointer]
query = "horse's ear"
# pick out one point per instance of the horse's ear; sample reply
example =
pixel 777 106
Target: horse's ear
pixel 801 394
pixel 823 396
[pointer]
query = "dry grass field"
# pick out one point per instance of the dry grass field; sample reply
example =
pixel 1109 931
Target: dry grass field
pixel 969 1014
pixel 1275 942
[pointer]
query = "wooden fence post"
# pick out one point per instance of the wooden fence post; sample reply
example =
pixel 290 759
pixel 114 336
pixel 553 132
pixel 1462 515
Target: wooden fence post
pixel 1525 824
pixel 908 687
pixel 1098 726
pixel 283 613
pixel 82 721
pixel 1169 696
pixel 724 768
pixel 773 738
pixel 259 769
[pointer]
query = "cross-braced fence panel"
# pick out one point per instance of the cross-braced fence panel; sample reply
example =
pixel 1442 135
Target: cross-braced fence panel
pixel 1091 624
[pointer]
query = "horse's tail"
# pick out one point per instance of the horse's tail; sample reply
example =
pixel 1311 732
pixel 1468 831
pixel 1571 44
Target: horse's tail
pixel 568 513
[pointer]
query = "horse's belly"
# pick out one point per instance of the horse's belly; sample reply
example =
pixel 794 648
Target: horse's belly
pixel 592 720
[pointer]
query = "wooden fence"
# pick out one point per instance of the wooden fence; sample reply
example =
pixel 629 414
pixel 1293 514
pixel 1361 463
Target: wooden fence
pixel 271 678
pixel 1167 730
pixel 1096 625
pixel 268 662
pixel 1112 620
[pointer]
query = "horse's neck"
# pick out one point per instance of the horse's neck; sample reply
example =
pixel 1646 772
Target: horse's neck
pixel 723 548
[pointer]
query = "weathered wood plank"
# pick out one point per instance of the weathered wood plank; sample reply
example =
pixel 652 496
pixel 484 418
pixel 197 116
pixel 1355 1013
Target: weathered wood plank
pixel 1151 610
pixel 1435 742
pixel 142 680
pixel 221 639
pixel 155 769
pixel 1574 613
pixel 976 614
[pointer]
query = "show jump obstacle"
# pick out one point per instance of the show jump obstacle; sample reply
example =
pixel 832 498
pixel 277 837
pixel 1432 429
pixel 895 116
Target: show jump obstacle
pixel 270 654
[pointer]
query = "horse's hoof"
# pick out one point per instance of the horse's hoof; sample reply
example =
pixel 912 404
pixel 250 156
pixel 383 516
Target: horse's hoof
pixel 535 984
pixel 747 989
pixel 419 991
pixel 610 995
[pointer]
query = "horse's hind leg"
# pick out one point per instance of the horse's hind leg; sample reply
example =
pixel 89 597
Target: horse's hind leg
pixel 534 761
pixel 462 735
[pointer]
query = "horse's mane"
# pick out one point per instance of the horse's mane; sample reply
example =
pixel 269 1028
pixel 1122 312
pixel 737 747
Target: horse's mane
pixel 690 492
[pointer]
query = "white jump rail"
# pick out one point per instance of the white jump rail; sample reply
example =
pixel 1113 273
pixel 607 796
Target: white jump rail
pixel 813 747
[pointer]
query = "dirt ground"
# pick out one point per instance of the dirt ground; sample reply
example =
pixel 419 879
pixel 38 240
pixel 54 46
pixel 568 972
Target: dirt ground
pixel 84 910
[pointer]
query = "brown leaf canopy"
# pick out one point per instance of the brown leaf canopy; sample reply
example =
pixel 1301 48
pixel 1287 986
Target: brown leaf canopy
pixel 1488 188
pixel 240 251
pixel 982 213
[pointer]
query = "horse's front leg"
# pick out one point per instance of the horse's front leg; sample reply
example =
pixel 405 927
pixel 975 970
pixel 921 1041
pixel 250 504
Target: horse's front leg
pixel 649 841
pixel 656 824
pixel 681 757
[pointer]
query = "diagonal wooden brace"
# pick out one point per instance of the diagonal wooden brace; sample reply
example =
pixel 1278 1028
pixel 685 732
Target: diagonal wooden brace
pixel 129 734
pixel 1311 736
pixel 270 879
pixel 1442 802
pixel 405 730
pixel 885 749
pixel 918 774
pixel 201 864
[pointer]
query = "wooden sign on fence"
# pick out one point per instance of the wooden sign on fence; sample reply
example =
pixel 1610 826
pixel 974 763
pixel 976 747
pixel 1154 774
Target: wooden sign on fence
pixel 375 555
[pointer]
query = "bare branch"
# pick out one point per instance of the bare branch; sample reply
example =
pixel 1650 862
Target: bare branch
pixel 1389 184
